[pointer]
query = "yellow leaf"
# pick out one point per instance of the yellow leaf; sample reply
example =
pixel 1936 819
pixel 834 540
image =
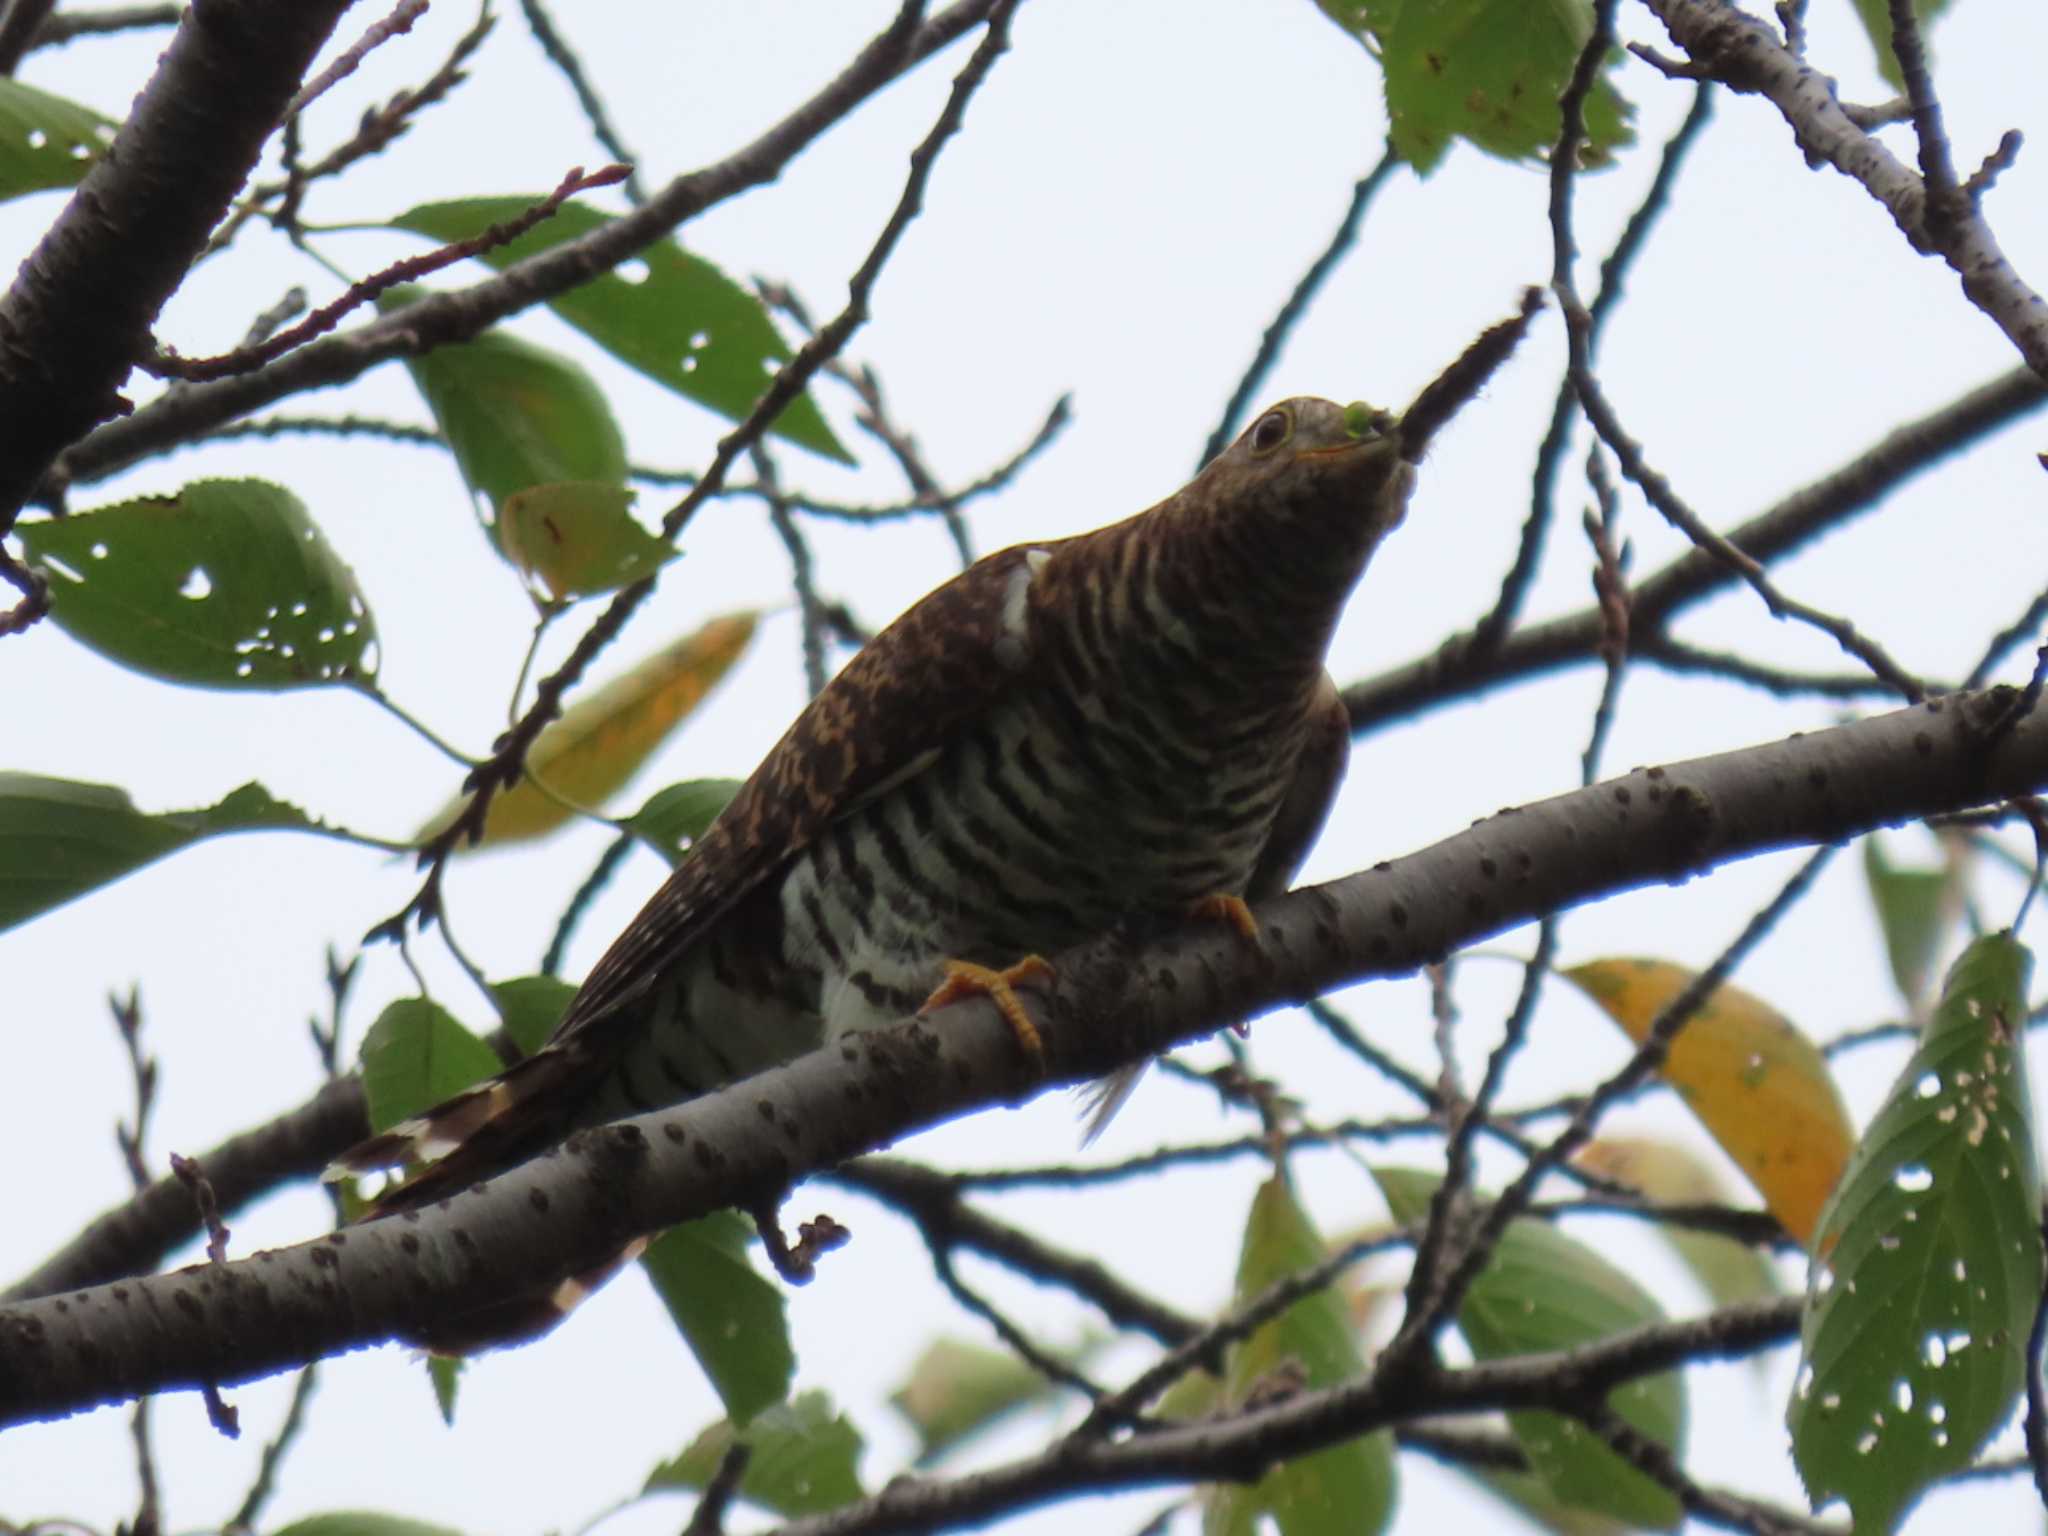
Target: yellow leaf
pixel 1757 1084
pixel 575 537
pixel 588 754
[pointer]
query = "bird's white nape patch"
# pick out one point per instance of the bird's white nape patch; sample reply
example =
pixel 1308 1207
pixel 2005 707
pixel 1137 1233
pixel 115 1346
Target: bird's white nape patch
pixel 1013 647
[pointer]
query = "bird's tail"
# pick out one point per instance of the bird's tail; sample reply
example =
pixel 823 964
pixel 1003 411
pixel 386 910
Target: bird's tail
pixel 481 1131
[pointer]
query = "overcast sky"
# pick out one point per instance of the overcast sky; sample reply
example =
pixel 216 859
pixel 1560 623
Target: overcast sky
pixel 1136 190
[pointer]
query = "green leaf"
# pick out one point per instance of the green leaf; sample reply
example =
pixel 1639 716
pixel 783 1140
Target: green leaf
pixel 1914 908
pixel 445 1373
pixel 46 141
pixel 60 839
pixel 575 537
pixel 1727 1270
pixel 677 816
pixel 415 1056
pixel 1530 1496
pixel 805 1458
pixel 684 324
pixel 532 1006
pixel 958 1389
pixel 1541 1291
pixel 1930 1261
pixel 1347 1489
pixel 1487 71
pixel 733 1319
pixel 226 584
pixel 516 415
pixel 361 1522
pixel 1877 23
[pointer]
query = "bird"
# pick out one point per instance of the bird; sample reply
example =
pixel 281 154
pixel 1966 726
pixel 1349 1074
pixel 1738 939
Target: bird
pixel 1130 723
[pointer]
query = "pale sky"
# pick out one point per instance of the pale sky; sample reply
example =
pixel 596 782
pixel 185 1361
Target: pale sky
pixel 1136 189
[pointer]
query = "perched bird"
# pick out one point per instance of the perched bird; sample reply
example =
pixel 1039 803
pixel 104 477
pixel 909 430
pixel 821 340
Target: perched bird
pixel 1134 722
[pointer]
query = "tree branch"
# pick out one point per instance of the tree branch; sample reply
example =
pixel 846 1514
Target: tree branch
pixel 1112 1002
pixel 1459 667
pixel 465 312
pixel 1937 217
pixel 79 313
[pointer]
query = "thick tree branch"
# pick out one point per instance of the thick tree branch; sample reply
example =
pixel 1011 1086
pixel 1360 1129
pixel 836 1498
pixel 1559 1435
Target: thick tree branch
pixel 464 312
pixel 80 310
pixel 1742 52
pixel 134 1237
pixel 1113 1001
pixel 1459 667
pixel 1244 1447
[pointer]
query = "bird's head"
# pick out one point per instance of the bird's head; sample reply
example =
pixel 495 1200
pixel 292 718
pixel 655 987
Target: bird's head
pixel 1314 478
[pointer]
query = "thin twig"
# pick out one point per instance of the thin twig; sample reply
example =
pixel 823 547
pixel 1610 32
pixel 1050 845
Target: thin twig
pixel 1493 627
pixel 1645 1060
pixel 558 53
pixel 398 22
pixel 68 26
pixel 167 363
pixel 265 1483
pixel 599 877
pixel 708 1519
pixel 505 766
pixel 810 611
pixel 1305 290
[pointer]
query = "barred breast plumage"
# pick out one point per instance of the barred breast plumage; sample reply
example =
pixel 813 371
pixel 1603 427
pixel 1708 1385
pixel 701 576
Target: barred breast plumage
pixel 1120 724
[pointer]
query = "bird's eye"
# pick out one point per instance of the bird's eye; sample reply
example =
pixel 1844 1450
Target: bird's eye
pixel 1272 430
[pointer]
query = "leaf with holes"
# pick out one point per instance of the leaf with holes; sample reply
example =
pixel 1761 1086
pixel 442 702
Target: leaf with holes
pixel 416 1055
pixel 46 141
pixel 60 839
pixel 674 818
pixel 1759 1086
pixel 1490 72
pixel 1539 1292
pixel 1914 1345
pixel 226 584
pixel 515 416
pixel 734 1321
pixel 575 538
pixel 805 1458
pixel 678 319
pixel 601 742
pixel 1347 1489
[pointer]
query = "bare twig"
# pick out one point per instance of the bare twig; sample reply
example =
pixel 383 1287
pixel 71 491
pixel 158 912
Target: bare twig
pixel 1283 323
pixel 810 611
pixel 1493 627
pixel 166 363
pixel 265 1482
pixel 70 25
pixel 396 23
pixel 506 764
pixel 708 1519
pixel 193 1177
pixel 558 53
pixel 142 1069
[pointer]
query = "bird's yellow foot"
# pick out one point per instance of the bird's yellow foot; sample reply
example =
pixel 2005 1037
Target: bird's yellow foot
pixel 966 979
pixel 1228 909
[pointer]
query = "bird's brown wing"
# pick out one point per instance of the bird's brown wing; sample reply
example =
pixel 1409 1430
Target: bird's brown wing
pixel 896 704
